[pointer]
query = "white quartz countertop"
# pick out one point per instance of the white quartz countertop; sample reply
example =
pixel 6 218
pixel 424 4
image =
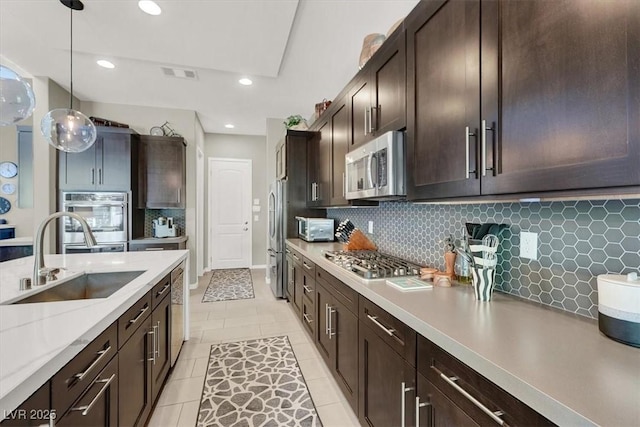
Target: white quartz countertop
pixel 17 241
pixel 38 339
pixel 556 362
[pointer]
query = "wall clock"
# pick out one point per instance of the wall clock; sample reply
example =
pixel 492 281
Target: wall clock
pixel 8 169
pixel 8 188
pixel 5 206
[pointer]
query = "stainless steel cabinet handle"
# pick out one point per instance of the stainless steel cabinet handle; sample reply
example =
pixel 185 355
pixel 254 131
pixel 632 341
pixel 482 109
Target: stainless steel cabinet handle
pixel 371 116
pixel 101 354
pixel 179 194
pixel 306 317
pixel 135 319
pixel 85 409
pixel 163 290
pixel 157 330
pixel 484 147
pixel 418 406
pixel 306 265
pixel 307 289
pixel 296 257
pixel 366 114
pixel 326 319
pixel 403 391
pixel 93 176
pixel 495 415
pixel 331 311
pixel 467 134
pixel 287 251
pixel 152 332
pixel 154 249
pixel 374 319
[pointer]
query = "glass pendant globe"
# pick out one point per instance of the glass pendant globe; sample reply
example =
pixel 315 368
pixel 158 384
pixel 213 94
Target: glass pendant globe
pixel 68 130
pixel 17 100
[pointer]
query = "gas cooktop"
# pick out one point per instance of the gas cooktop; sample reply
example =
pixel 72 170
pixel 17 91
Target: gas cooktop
pixel 372 264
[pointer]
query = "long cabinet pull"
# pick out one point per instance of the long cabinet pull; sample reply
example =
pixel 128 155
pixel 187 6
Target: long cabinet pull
pixel 306 317
pixel 307 289
pixel 152 332
pixel 296 257
pixel 330 313
pixel 157 353
pixel 467 169
pixel 87 408
pixel 163 290
pixel 135 319
pixel 366 114
pixel 307 266
pixel 418 406
pixel 403 390
pixel 326 319
pixel 495 415
pixel 374 319
pixel 483 132
pixel 101 354
pixel 371 116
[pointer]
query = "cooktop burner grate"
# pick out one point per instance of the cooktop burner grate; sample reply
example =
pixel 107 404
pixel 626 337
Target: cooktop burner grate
pixel 372 264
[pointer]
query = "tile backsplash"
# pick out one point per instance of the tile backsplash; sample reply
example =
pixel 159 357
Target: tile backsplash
pixel 151 214
pixel 577 240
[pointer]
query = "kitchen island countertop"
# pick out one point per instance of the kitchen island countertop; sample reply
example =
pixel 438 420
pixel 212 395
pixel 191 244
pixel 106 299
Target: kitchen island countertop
pixel 556 362
pixel 40 338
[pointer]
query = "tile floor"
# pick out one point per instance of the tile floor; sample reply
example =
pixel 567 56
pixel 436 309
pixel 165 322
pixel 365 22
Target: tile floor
pixel 216 322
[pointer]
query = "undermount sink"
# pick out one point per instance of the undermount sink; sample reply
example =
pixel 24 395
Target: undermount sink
pixel 87 286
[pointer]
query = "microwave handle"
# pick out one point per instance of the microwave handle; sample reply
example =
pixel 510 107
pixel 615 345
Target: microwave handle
pixel 373 157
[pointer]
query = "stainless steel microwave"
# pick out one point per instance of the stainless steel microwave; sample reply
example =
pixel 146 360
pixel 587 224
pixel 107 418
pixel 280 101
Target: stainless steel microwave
pixel 377 169
pixel 315 229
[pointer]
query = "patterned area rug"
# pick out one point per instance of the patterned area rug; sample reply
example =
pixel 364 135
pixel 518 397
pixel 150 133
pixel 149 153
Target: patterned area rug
pixel 255 383
pixel 230 284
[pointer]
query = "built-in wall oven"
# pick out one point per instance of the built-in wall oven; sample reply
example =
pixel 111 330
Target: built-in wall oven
pixel 106 214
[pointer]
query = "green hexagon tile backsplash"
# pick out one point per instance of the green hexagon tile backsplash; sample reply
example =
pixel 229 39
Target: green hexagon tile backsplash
pixel 577 241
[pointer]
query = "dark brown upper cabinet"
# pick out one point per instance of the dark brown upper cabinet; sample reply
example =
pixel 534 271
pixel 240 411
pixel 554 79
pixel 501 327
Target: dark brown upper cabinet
pixel 162 177
pixel 377 98
pixel 508 97
pixel 105 166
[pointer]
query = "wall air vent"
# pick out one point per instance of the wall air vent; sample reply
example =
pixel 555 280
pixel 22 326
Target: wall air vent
pixel 180 73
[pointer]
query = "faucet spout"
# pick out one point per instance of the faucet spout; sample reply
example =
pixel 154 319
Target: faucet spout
pixel 39 270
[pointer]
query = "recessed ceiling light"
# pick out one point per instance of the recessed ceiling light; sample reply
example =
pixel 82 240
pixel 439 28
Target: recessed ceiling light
pixel 104 63
pixel 150 7
pixel 245 81
pixel 229 126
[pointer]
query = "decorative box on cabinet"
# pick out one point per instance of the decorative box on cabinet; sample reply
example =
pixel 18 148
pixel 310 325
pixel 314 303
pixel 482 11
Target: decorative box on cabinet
pixel 561 115
pixel 162 177
pixel 110 164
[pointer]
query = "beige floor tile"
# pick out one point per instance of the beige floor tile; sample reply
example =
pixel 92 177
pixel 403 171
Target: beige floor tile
pixel 324 391
pixel 280 328
pixel 233 312
pixel 313 368
pixel 194 350
pixel 165 416
pixel 199 316
pixel 182 369
pixel 298 337
pixel 305 351
pixel 189 414
pixel 337 414
pixel 201 325
pixel 200 367
pixel 182 390
pixel 236 333
pixel 248 320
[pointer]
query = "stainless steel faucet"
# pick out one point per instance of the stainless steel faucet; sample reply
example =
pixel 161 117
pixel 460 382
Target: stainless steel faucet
pixel 42 274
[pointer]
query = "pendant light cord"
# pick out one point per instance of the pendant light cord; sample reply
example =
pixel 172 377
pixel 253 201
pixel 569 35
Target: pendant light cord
pixel 71 62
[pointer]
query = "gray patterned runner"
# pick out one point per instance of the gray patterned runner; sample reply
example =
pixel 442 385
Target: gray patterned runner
pixel 230 284
pixel 255 383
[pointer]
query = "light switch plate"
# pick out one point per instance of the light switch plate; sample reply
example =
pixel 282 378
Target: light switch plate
pixel 528 245
pixel 370 227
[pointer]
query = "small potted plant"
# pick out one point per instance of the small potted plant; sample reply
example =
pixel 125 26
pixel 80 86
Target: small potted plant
pixel 296 122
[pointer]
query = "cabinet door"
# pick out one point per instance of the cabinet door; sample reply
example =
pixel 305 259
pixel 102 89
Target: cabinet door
pixel 77 171
pixel 163 173
pixel 35 411
pixel 308 317
pixel 113 162
pixel 324 166
pixel 437 410
pixel 343 330
pixel 314 164
pixel 324 343
pixel 98 406
pixel 388 78
pixel 161 327
pixel 291 274
pixel 561 95
pixel 386 382
pixel 298 289
pixel 340 147
pixel 443 99
pixel 134 390
pixel 360 112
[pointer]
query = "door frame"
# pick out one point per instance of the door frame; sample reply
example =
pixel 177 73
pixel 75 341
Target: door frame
pixel 210 161
pixel 199 212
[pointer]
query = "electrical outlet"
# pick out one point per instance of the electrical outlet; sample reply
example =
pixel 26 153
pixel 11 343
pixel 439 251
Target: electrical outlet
pixel 370 227
pixel 528 245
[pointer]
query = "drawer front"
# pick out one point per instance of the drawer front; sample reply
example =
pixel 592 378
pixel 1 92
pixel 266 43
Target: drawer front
pixel 69 383
pixel 308 266
pixel 396 334
pixel 343 293
pixel 455 379
pixel 153 247
pixel 297 256
pixel 309 287
pixel 134 317
pixel 160 290
pixel 308 318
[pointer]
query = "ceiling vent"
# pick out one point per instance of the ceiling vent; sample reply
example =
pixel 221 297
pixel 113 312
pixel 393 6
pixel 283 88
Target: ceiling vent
pixel 180 73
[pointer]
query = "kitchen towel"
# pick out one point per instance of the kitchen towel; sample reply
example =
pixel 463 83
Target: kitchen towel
pixel 229 284
pixel 255 383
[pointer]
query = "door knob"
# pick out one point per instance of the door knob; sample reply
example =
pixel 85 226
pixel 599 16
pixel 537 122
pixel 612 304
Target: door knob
pixel 245 229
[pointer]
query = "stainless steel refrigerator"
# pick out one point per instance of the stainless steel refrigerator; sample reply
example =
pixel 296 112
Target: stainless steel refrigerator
pixel 277 231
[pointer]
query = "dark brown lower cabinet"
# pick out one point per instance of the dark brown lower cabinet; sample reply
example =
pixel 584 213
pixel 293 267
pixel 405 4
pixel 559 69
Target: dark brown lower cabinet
pixel 298 283
pixel 434 409
pixel 98 406
pixel 161 328
pixel 290 277
pixel 135 399
pixel 386 385
pixel 33 412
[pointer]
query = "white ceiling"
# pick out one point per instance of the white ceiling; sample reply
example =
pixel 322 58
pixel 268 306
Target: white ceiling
pixel 297 52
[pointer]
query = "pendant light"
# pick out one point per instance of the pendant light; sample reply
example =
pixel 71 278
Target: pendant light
pixel 17 100
pixel 65 128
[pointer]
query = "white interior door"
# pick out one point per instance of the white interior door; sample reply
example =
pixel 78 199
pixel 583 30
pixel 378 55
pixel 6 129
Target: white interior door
pixel 229 213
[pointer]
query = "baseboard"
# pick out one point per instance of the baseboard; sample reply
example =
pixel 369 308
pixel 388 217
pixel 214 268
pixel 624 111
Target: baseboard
pixel 193 286
pixel 259 266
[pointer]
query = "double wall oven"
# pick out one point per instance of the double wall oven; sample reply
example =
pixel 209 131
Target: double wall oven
pixel 106 214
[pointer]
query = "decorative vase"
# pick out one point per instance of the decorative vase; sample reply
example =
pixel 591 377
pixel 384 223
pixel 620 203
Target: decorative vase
pixel 449 263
